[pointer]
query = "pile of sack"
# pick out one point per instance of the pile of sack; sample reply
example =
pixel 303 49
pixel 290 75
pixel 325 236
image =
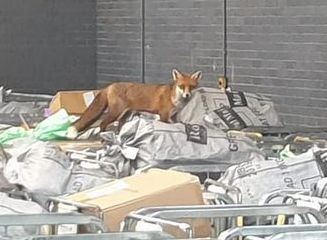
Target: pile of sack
pixel 198 136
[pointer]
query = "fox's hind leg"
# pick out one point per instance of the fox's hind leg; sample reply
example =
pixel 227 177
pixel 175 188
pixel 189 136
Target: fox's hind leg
pixel 117 109
pixel 108 119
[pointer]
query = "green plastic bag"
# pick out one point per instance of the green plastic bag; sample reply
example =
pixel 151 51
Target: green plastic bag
pixel 286 152
pixel 12 134
pixel 54 127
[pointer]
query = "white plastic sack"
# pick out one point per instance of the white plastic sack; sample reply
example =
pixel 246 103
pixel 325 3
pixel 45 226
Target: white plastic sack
pixel 82 179
pixel 258 177
pixel 16 206
pixel 228 110
pixel 148 141
pixel 40 168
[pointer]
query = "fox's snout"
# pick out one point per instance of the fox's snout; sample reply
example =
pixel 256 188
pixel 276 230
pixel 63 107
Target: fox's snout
pixel 183 93
pixel 186 95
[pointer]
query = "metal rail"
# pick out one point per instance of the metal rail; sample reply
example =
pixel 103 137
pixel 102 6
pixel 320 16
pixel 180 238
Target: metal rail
pixel 270 230
pixel 108 236
pixel 50 219
pixel 218 211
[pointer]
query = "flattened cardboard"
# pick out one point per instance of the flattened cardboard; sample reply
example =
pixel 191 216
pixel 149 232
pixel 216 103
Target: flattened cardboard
pixel 74 102
pixel 154 188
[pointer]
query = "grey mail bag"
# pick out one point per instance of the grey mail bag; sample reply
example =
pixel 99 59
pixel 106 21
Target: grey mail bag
pixel 149 141
pixel 257 177
pixel 84 178
pixel 16 206
pixel 227 110
pixel 41 168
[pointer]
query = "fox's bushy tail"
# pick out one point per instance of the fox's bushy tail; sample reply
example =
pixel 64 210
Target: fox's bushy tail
pixel 90 115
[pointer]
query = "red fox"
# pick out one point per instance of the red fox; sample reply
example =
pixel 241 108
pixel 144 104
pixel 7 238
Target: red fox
pixel 120 98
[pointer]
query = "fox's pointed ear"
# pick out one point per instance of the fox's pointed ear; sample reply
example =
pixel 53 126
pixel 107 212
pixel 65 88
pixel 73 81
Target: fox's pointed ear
pixel 176 74
pixel 196 75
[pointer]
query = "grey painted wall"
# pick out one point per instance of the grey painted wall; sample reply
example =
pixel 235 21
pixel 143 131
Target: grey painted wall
pixel 118 41
pixel 275 47
pixel 279 48
pixel 181 34
pixel 47 45
pixel 186 35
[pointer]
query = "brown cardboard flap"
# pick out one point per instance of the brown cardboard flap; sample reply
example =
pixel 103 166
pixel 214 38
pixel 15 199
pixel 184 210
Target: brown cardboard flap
pixel 74 102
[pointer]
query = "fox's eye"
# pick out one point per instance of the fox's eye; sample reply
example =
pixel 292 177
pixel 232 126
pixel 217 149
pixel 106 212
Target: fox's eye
pixel 181 87
pixel 194 86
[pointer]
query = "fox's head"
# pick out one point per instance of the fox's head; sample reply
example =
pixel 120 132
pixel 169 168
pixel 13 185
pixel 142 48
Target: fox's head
pixel 184 84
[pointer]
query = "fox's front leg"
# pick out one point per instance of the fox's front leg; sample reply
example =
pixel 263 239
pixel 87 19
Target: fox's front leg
pixel 165 110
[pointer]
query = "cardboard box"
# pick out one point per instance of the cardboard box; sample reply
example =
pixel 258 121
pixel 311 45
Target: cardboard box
pixel 154 188
pixel 74 102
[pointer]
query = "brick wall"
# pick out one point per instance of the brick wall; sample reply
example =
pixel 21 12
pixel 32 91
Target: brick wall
pixel 118 41
pixel 177 35
pixel 186 35
pixel 275 47
pixel 279 48
pixel 47 45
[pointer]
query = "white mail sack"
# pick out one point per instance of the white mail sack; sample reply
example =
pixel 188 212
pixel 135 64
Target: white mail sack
pixel 16 206
pixel 228 110
pixel 147 141
pixel 258 177
pixel 40 168
pixel 83 178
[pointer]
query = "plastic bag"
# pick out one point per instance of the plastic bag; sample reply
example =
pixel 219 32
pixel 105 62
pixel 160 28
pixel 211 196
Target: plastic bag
pixel 8 136
pixel 41 168
pixel 16 207
pixel 54 127
pixel 255 178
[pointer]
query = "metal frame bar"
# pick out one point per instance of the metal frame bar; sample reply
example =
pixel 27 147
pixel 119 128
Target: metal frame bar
pixel 51 219
pixel 269 230
pixel 110 236
pixel 231 210
pixel 218 211
pixel 300 235
pixel 8 95
pixel 281 193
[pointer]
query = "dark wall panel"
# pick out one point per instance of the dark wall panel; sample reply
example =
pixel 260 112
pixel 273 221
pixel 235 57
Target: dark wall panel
pixel 46 46
pixel 279 48
pixel 183 34
pixel 119 41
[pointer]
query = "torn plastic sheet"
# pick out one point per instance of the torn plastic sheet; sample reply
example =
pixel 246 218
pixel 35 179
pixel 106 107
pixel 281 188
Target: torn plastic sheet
pixel 53 128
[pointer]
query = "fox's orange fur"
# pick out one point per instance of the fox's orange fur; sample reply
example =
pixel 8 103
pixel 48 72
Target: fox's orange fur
pixel 120 98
